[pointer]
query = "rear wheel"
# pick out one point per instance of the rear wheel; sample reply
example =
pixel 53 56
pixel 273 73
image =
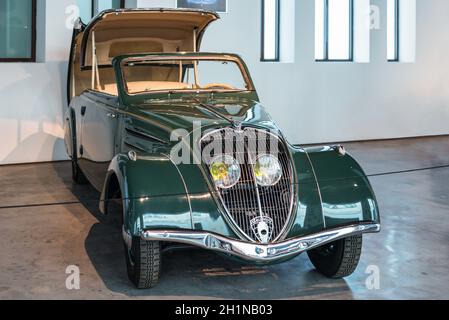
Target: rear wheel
pixel 337 259
pixel 77 175
pixel 143 262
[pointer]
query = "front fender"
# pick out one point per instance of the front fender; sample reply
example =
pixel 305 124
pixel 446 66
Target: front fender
pixel 153 192
pixel 346 193
pixel 333 191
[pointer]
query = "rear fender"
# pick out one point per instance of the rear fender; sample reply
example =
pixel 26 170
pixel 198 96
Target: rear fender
pixel 70 133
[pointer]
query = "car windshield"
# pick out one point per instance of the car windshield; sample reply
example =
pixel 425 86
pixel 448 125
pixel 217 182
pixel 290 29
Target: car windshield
pixel 184 74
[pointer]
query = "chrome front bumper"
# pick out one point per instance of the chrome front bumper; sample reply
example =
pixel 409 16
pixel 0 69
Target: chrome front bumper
pixel 258 252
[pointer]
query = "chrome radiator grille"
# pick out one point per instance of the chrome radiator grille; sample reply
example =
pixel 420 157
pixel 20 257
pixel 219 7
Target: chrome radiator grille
pixel 246 201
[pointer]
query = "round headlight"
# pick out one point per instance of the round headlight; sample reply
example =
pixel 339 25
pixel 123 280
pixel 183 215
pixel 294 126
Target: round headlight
pixel 225 171
pixel 268 170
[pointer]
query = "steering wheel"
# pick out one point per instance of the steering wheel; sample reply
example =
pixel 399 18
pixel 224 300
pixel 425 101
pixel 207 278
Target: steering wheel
pixel 218 86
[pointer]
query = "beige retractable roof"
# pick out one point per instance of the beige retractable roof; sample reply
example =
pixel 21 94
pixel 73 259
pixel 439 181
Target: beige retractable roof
pixel 135 31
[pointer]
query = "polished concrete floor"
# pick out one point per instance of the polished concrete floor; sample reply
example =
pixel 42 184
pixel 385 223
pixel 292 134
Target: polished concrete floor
pixel 39 239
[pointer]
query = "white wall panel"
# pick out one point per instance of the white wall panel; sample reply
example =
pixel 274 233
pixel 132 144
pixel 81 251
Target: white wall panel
pixel 313 102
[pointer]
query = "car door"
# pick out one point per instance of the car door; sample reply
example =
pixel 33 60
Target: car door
pixel 98 131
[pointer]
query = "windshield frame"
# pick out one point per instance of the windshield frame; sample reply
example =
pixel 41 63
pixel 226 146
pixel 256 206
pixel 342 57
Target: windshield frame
pixel 119 63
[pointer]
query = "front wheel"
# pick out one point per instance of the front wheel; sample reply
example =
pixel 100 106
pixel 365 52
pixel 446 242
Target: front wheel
pixel 337 259
pixel 143 262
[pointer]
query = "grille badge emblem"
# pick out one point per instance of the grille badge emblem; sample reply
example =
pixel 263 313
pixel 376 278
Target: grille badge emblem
pixel 262 228
pixel 237 126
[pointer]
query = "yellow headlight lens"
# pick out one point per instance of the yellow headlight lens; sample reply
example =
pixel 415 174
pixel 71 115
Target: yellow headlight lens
pixel 225 171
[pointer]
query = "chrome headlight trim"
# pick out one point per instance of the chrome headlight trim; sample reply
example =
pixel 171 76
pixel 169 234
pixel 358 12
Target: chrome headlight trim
pixel 279 169
pixel 232 163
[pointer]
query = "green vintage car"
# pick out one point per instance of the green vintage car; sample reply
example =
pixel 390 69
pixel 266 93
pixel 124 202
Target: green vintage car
pixel 181 138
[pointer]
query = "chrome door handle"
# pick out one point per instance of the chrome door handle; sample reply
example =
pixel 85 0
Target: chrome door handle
pixel 112 115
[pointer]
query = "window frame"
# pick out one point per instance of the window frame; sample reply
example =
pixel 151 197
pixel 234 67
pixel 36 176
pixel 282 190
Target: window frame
pixel 277 57
pixel 92 8
pixel 32 58
pixel 326 34
pixel 396 32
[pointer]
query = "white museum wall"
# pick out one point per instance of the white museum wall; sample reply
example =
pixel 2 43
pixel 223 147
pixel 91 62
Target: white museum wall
pixel 313 102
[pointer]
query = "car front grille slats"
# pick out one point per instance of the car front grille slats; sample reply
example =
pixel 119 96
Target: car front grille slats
pixel 246 200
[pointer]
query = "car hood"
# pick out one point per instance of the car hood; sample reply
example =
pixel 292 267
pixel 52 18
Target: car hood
pixel 161 118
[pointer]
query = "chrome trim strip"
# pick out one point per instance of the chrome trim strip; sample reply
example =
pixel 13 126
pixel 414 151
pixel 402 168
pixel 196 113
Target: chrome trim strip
pixel 258 252
pixel 143 135
pixel 132 146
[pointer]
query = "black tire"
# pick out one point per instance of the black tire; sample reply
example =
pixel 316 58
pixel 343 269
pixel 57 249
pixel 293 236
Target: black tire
pixel 77 175
pixel 338 259
pixel 143 262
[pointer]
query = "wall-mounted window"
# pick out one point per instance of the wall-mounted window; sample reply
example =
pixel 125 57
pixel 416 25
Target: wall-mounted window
pixel 393 30
pixel 90 8
pixel 334 30
pixel 401 31
pixel 17 30
pixel 220 6
pixel 270 30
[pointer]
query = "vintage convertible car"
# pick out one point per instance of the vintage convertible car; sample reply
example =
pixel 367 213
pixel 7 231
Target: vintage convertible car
pixel 180 137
